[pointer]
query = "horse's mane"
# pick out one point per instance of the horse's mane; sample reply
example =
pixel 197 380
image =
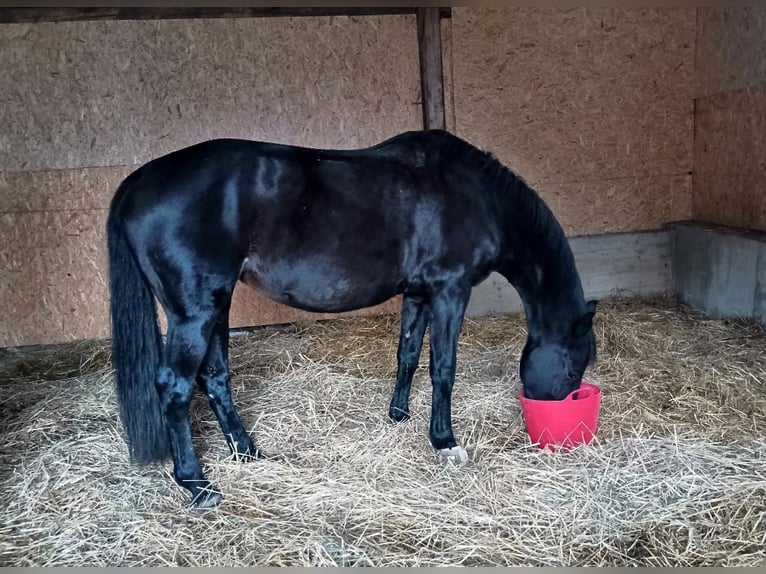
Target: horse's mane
pixel 528 212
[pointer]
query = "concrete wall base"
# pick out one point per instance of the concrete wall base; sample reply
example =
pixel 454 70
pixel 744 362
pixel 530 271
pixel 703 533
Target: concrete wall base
pixel 720 270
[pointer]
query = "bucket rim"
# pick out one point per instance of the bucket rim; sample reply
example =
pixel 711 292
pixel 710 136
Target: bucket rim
pixel 594 390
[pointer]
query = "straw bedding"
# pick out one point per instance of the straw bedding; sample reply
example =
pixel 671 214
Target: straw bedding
pixel 677 475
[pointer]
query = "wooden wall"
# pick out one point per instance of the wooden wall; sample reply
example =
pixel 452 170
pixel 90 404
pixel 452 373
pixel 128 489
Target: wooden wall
pixel 730 131
pixel 593 107
pixel 84 102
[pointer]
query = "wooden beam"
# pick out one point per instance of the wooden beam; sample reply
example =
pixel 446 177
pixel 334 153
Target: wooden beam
pixel 31 15
pixel 431 74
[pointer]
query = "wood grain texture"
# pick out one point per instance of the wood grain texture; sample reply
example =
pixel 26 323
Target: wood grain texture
pixel 56 190
pixel 730 159
pixel 731 49
pixel 53 269
pixel 431 71
pixel 612 206
pixel 448 79
pixel 53 283
pixel 730 127
pixel 563 96
pixel 90 94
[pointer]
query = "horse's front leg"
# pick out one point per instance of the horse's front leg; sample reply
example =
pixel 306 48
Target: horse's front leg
pixel 447 313
pixel 415 316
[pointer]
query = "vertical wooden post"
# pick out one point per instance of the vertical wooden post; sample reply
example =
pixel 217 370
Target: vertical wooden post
pixel 431 75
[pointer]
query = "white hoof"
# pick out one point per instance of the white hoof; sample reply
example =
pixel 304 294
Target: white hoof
pixel 456 455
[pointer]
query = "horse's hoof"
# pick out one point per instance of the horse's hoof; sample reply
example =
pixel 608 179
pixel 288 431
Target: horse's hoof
pixel 248 455
pixel 456 455
pixel 259 454
pixel 245 451
pixel 207 499
pixel 398 415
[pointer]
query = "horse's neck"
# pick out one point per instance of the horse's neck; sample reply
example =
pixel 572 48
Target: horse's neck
pixel 536 258
pixel 551 298
pixel 540 266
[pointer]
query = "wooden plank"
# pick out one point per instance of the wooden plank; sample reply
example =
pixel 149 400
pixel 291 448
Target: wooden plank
pixel 431 73
pixel 31 15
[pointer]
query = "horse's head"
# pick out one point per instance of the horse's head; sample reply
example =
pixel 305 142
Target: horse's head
pixel 552 366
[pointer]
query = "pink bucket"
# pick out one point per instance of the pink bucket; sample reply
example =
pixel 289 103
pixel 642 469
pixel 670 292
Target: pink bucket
pixel 567 423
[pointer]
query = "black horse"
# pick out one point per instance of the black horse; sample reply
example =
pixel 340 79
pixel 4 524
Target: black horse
pixel 423 214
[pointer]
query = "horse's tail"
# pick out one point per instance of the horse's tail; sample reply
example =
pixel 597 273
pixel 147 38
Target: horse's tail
pixel 136 349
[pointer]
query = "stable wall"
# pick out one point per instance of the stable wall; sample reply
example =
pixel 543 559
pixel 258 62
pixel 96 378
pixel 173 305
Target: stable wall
pixel 730 131
pixel 592 106
pixel 84 103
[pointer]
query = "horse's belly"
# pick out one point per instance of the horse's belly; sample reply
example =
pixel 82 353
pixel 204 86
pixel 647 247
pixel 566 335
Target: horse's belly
pixel 314 284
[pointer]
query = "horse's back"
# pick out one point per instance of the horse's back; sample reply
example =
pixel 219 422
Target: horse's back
pixel 217 159
pixel 315 228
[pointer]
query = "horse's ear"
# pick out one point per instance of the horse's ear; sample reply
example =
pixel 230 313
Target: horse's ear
pixel 585 322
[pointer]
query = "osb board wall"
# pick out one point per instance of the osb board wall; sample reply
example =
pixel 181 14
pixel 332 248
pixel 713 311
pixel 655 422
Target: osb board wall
pixel 731 49
pixel 730 127
pixel 88 101
pixel 90 94
pixel 593 107
pixel 53 254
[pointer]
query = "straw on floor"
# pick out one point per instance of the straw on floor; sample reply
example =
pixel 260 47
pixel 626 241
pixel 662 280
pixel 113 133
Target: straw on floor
pixel 676 477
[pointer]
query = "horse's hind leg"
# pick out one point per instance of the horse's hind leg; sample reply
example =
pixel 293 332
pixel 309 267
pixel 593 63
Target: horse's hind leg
pixel 215 381
pixel 447 313
pixel 414 322
pixel 186 346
